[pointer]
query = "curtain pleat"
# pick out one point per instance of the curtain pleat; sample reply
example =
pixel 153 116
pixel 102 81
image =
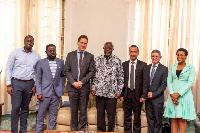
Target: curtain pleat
pixel 165 25
pixel 40 18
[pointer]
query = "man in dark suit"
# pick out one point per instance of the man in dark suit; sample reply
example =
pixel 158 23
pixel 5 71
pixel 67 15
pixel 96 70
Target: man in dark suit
pixel 50 81
pixel 79 67
pixel 136 80
pixel 155 97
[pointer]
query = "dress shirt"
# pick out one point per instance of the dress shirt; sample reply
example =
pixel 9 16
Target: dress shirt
pixel 21 65
pixel 109 76
pixel 78 57
pixel 154 68
pixel 53 67
pixel 130 63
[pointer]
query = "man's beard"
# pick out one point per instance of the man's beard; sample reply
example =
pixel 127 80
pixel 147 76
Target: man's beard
pixel 52 58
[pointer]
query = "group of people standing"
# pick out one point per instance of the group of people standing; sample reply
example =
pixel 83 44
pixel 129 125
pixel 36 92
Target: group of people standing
pixel 132 81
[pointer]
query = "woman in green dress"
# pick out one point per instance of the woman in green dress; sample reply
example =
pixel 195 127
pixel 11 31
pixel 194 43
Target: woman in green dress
pixel 180 104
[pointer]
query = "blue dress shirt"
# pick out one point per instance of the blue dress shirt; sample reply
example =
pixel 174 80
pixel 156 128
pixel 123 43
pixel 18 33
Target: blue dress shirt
pixel 78 57
pixel 21 65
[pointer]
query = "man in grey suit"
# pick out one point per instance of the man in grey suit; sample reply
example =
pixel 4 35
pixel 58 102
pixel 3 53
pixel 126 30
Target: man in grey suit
pixel 50 81
pixel 79 67
pixel 155 97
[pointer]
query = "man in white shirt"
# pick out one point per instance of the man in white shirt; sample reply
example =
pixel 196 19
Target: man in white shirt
pixel 136 80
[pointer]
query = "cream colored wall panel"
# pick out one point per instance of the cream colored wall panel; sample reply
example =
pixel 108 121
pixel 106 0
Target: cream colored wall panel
pixel 101 21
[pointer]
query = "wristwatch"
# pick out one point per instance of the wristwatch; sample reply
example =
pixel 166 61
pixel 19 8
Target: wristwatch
pixel 9 85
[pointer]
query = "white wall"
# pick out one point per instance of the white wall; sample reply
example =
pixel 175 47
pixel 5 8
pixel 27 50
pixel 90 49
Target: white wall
pixel 101 21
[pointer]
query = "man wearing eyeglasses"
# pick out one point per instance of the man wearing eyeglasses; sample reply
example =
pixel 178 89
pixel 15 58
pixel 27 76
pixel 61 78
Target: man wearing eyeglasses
pixel 107 86
pixel 79 67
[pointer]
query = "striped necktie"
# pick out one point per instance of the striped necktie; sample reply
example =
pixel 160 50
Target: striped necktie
pixel 152 73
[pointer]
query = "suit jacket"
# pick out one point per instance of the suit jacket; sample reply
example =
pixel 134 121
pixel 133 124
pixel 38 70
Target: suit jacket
pixel 159 83
pixel 141 79
pixel 183 84
pixel 45 82
pixel 87 70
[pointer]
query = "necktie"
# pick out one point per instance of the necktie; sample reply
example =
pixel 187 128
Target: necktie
pixel 80 60
pixel 132 76
pixel 152 74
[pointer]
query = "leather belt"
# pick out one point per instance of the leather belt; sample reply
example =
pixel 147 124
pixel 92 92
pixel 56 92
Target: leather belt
pixel 21 79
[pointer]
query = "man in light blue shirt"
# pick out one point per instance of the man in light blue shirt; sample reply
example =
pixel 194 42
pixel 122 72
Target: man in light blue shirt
pixel 20 72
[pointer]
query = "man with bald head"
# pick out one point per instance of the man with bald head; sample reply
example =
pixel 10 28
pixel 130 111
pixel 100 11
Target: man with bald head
pixel 20 72
pixel 107 86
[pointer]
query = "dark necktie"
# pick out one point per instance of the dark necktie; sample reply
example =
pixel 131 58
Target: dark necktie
pixel 132 76
pixel 80 60
pixel 152 73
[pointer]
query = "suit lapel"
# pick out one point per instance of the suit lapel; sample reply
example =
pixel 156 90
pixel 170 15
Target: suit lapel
pixel 157 71
pixel 58 67
pixel 75 59
pixel 137 68
pixel 174 70
pixel 127 69
pixel 185 69
pixel 149 69
pixel 46 63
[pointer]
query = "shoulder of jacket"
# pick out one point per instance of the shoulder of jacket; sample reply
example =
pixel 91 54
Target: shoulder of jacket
pixel 190 66
pixel 174 65
pixel 163 67
pixel 88 53
pixel 42 60
pixel 72 52
pixel 59 59
pixel 142 62
pixel 149 65
pixel 125 62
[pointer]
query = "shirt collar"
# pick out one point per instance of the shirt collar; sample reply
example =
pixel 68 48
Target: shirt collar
pixel 25 51
pixel 155 65
pixel 78 51
pixel 52 60
pixel 135 62
pixel 108 56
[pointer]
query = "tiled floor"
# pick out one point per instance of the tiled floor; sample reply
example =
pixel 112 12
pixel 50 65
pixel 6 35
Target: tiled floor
pixel 192 127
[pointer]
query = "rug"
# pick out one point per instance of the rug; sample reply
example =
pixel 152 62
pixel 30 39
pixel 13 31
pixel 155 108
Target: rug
pixel 8 131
